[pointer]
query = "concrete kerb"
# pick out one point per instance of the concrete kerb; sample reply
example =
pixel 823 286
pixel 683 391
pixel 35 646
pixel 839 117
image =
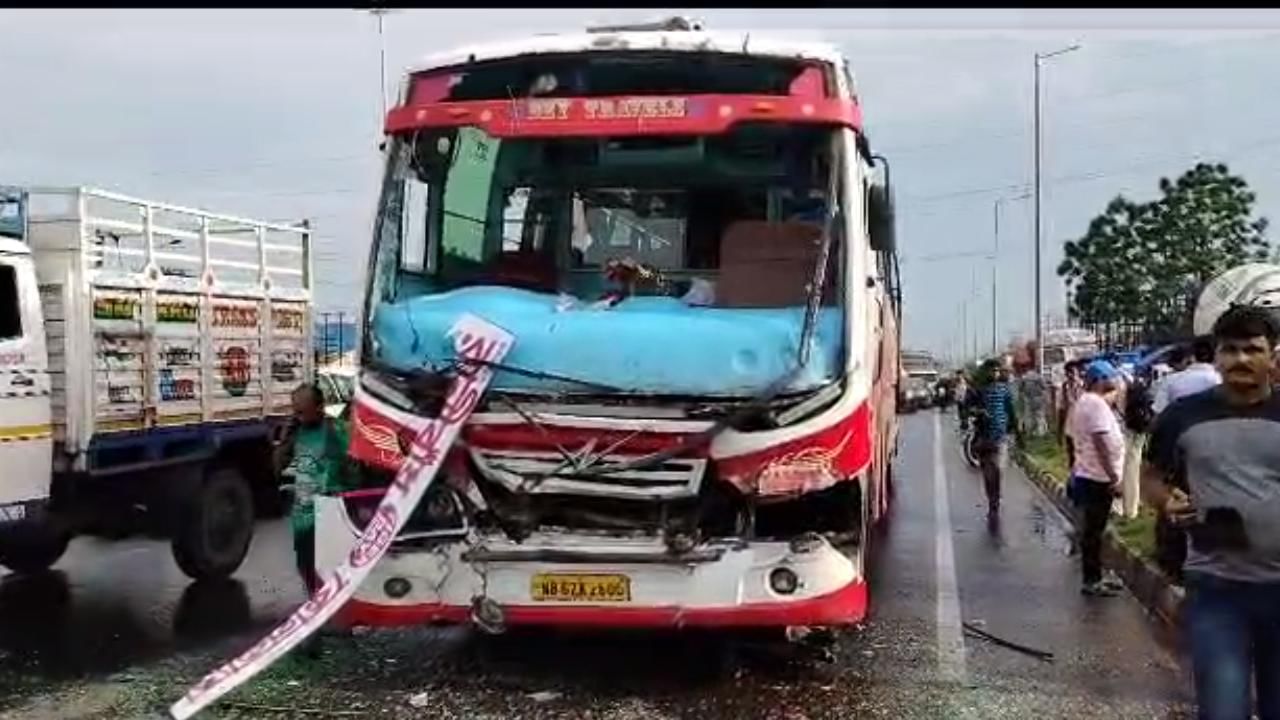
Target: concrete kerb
pixel 1143 578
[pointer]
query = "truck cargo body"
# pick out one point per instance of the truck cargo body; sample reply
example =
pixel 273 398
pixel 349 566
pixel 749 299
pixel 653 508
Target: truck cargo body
pixel 159 346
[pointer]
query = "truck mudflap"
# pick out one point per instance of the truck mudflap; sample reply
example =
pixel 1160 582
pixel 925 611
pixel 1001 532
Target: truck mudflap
pixel 572 579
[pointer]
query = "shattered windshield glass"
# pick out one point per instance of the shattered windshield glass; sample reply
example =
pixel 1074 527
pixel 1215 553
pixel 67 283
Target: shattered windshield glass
pixel 622 243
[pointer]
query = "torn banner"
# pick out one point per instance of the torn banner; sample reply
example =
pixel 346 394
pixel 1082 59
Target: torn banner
pixel 473 339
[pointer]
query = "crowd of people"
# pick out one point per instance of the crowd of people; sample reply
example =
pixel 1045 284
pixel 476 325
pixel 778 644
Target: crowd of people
pixel 1198 439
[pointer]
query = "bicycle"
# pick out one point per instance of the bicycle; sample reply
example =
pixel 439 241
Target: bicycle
pixel 969 446
pixel 969 419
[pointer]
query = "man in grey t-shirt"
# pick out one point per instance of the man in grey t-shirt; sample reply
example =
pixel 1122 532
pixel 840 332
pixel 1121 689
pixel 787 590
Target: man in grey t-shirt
pixel 1222 446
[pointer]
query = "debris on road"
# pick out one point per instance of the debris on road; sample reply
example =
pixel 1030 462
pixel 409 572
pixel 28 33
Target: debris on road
pixel 257 707
pixel 978 632
pixel 543 696
pixel 419 700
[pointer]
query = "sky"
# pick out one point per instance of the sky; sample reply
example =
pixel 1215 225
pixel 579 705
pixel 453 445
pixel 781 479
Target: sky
pixel 275 114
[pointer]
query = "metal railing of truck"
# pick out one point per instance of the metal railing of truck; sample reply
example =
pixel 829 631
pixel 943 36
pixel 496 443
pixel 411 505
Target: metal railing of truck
pixel 118 226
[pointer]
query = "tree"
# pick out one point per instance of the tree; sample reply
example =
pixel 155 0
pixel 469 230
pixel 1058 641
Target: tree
pixel 1140 263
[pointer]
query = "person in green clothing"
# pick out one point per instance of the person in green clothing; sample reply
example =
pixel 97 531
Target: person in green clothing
pixel 315 462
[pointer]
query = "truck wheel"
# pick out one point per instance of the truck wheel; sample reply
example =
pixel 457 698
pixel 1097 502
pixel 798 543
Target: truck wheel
pixel 32 550
pixel 215 526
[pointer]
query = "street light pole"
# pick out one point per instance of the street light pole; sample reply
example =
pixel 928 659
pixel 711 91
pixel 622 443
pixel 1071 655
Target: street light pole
pixel 977 308
pixel 995 260
pixel 1040 58
pixel 380 13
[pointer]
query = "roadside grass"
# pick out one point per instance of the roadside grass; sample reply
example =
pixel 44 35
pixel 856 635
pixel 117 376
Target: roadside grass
pixel 1140 532
pixel 1044 454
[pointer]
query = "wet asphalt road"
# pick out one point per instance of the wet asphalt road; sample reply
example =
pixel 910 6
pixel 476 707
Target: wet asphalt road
pixel 122 607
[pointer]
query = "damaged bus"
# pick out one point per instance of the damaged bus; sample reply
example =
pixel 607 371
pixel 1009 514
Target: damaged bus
pixel 692 244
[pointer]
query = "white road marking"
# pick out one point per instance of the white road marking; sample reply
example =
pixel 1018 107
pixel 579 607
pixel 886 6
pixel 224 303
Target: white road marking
pixel 951 665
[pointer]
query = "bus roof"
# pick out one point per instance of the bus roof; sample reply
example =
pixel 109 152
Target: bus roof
pixel 737 43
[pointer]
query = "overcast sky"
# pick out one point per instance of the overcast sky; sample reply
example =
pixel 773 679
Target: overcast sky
pixel 274 114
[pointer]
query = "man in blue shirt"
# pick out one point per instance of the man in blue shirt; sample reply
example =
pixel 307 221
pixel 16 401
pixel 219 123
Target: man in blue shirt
pixel 994 421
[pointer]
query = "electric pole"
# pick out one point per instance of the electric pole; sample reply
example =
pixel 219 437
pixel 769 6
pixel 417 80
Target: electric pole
pixel 1039 151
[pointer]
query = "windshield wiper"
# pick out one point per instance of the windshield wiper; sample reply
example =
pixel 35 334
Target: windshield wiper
pixel 819 278
pixel 541 375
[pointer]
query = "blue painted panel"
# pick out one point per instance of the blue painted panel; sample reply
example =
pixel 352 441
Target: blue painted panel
pixel 152 443
pixel 649 345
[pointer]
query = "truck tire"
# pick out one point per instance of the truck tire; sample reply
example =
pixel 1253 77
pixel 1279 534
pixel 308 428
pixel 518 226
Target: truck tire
pixel 32 550
pixel 215 526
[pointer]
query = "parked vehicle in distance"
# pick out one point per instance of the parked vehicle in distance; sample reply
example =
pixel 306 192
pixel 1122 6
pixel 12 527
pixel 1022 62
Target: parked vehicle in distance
pixel 918 388
pixel 1064 344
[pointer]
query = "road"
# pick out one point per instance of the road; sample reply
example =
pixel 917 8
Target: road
pixel 119 631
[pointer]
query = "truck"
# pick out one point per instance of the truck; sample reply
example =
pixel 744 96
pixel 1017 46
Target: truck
pixel 919 384
pixel 691 242
pixel 148 352
pixel 1064 344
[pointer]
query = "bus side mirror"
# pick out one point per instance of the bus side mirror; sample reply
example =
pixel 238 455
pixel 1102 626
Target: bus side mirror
pixel 881 218
pixel 434 151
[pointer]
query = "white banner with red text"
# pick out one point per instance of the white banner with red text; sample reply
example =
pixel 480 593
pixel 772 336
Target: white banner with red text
pixel 474 340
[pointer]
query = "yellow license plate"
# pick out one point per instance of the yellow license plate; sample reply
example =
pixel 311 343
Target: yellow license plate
pixel 587 588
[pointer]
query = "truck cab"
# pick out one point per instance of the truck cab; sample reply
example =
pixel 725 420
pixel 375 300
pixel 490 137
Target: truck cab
pixel 26 431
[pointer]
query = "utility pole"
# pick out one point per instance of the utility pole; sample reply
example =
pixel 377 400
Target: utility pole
pixel 1040 58
pixel 973 295
pixel 323 351
pixel 380 13
pixel 341 320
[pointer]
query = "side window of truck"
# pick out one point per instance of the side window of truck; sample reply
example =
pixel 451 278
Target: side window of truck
pixel 10 311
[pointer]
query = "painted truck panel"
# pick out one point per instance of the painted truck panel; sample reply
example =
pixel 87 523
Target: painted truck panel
pixel 174 317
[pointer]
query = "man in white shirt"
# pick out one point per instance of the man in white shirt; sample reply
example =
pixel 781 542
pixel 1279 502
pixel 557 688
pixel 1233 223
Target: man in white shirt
pixel 1175 361
pixel 1099 445
pixel 1199 376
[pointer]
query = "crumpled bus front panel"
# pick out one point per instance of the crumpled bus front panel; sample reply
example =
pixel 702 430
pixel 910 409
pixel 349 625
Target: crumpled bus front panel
pixel 643 345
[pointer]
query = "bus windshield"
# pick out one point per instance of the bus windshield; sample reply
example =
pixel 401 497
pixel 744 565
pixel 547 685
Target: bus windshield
pixel 461 208
pixel 622 245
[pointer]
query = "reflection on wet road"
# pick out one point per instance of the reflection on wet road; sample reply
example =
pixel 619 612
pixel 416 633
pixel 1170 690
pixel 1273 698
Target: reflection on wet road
pixel 117 606
pixel 107 606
